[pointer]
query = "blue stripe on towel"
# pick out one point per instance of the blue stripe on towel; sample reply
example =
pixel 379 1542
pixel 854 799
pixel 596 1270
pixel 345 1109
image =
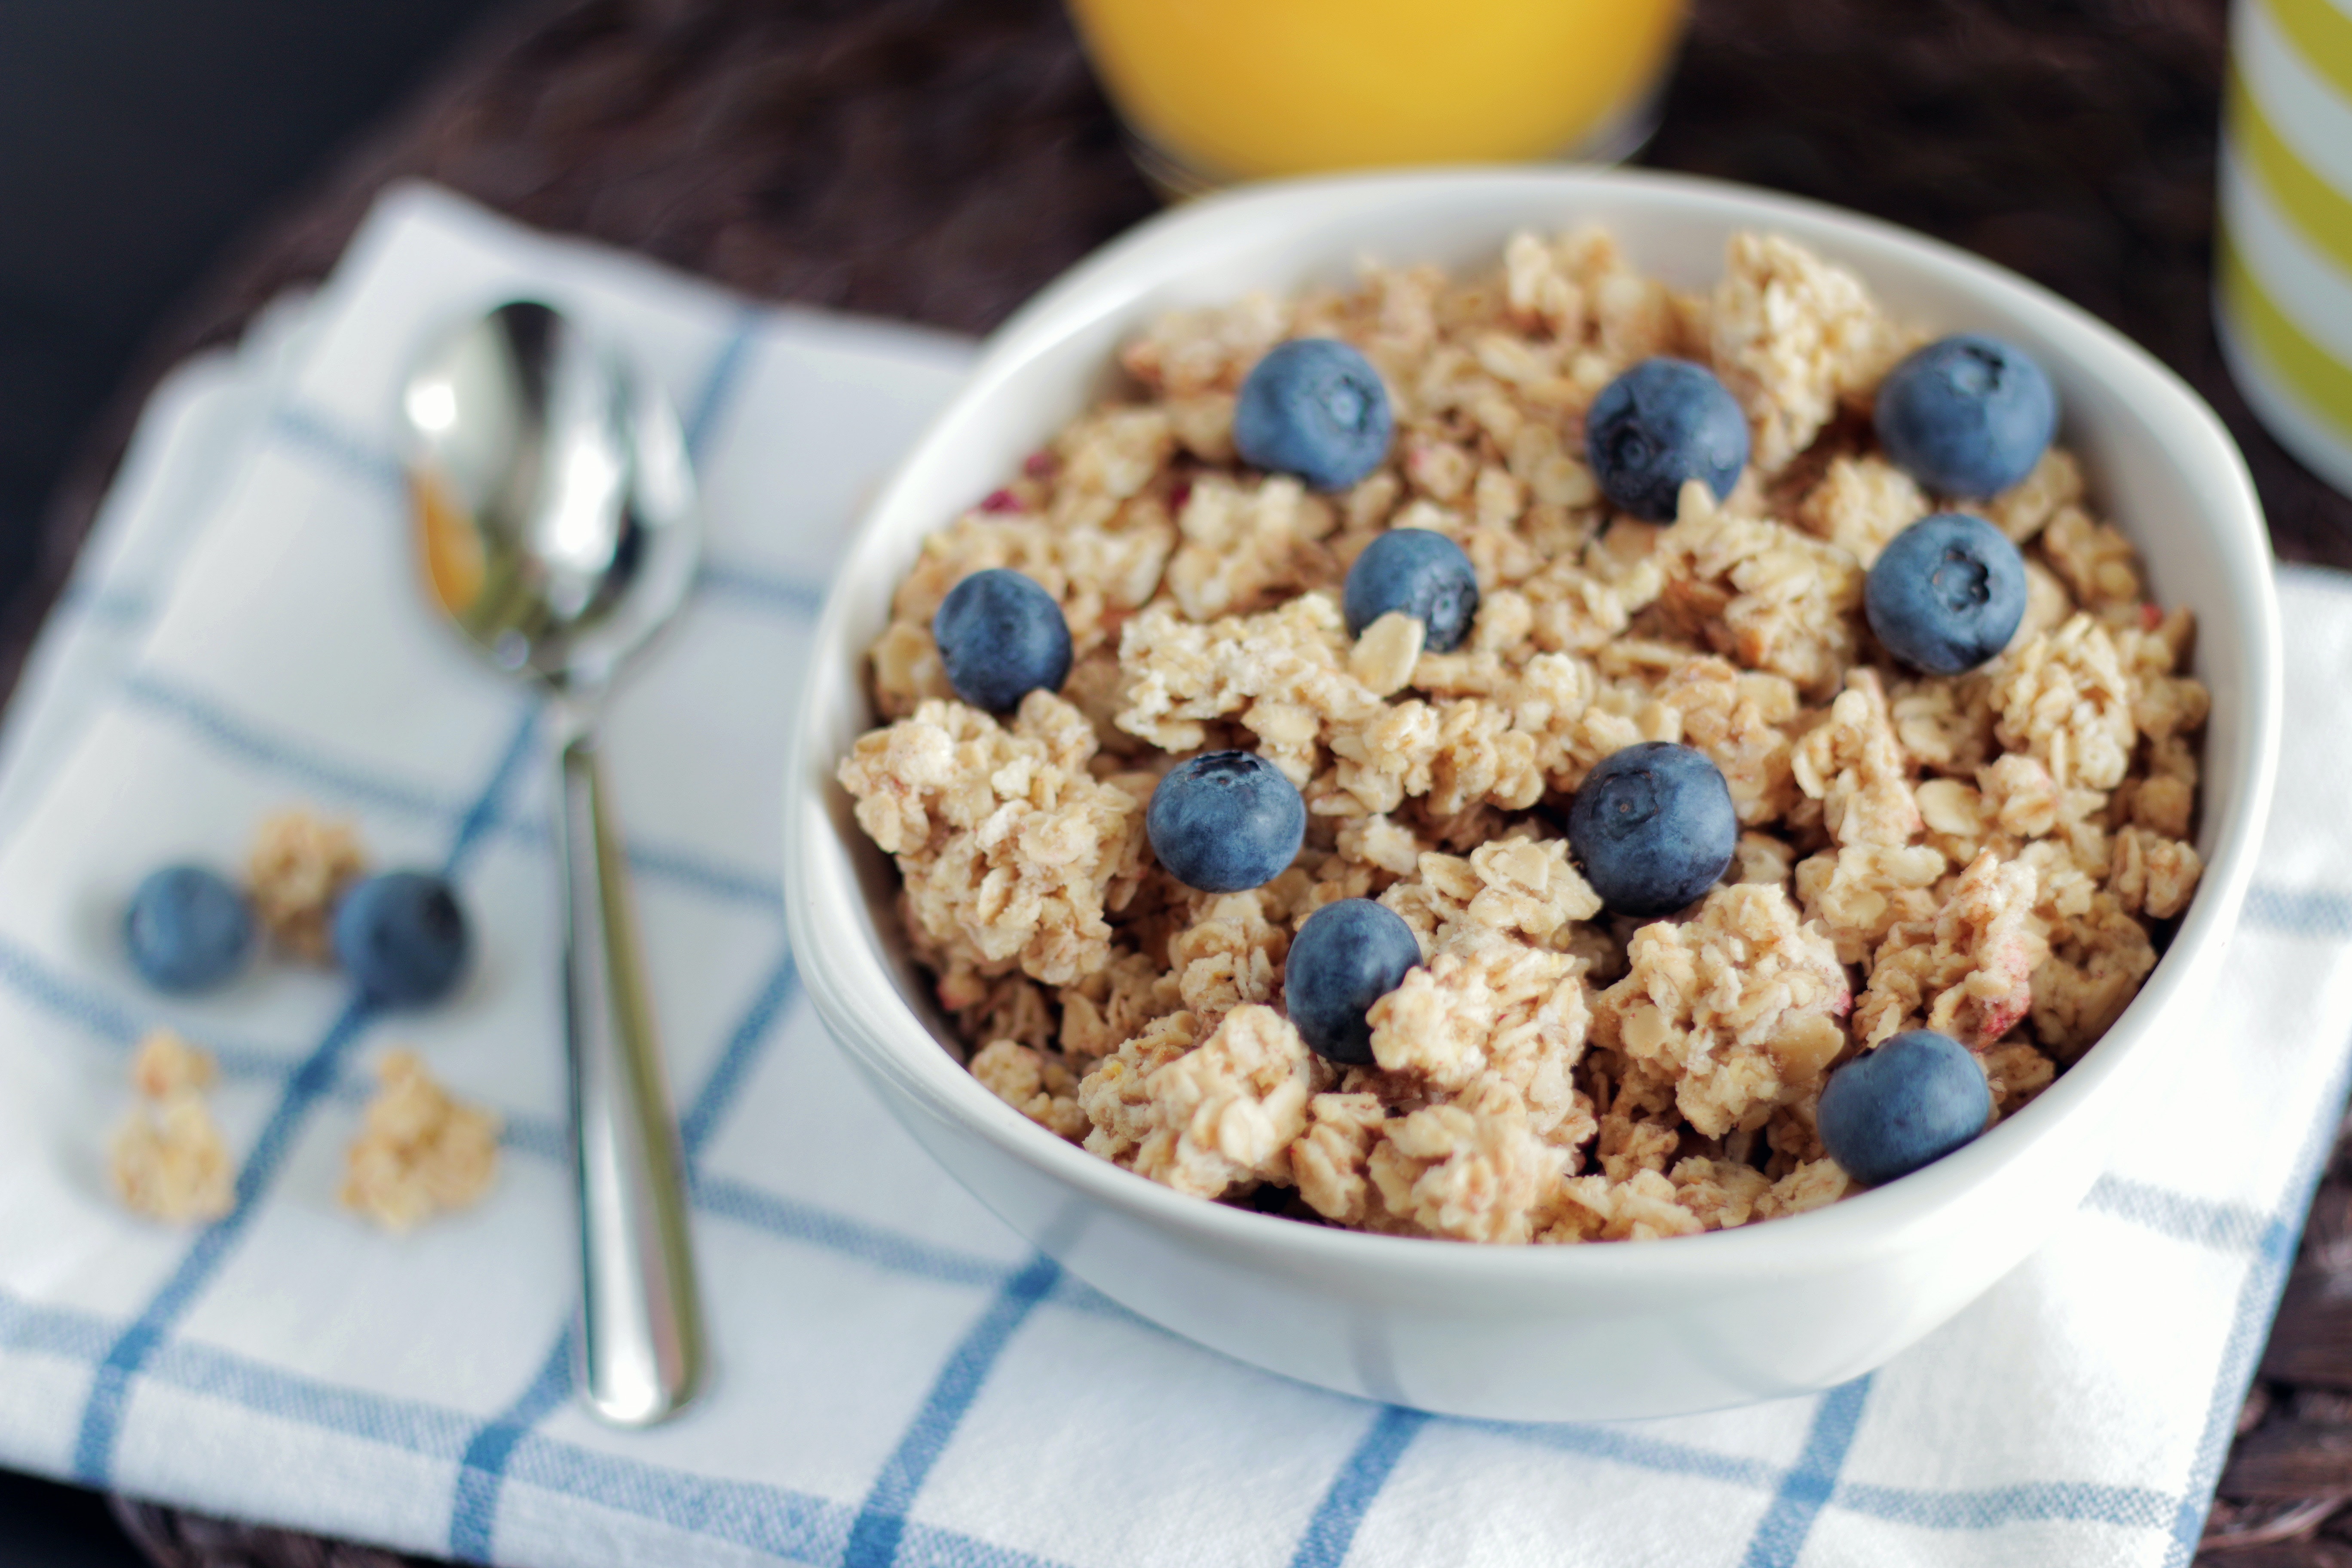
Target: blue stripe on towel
pixel 1988 1507
pixel 2249 1327
pixel 1624 1447
pixel 2224 1227
pixel 473 1510
pixel 1361 1476
pixel 743 582
pixel 314 431
pixel 227 731
pixel 1788 1519
pixel 772 1518
pixel 2312 912
pixel 735 1060
pixel 97 1013
pixel 101 1417
pixel 363 781
pixel 876 1537
pixel 65 1333
pixel 721 381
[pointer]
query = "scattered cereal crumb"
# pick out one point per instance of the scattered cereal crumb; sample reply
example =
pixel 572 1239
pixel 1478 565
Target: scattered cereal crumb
pixel 299 865
pixel 166 1065
pixel 419 1149
pixel 168 1160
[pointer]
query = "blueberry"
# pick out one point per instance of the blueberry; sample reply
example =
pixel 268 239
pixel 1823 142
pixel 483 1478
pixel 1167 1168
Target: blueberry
pixel 1224 821
pixel 1346 957
pixel 1001 637
pixel 1652 826
pixel 402 938
pixel 1947 595
pixel 1661 423
pixel 1314 407
pixel 188 929
pixel 1421 572
pixel 1911 1101
pixel 1966 415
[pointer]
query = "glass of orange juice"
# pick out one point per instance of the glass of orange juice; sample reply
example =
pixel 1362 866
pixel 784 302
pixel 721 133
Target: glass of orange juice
pixel 1218 90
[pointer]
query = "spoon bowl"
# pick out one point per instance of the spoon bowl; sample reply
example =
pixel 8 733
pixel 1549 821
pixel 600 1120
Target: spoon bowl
pixel 555 501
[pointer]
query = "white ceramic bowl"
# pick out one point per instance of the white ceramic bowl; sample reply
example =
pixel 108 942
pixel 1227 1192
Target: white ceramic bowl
pixel 1542 1333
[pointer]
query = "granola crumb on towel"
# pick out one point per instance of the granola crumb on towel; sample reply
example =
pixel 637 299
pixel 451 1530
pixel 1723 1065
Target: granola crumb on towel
pixel 299 864
pixel 168 1160
pixel 419 1151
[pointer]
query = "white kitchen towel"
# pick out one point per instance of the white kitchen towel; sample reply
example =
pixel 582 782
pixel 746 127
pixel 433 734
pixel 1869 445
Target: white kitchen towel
pixel 902 1380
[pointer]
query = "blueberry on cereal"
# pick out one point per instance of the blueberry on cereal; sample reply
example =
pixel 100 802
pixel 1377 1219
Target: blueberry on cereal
pixel 1346 957
pixel 1314 407
pixel 1946 594
pixel 1966 415
pixel 1001 637
pixel 188 929
pixel 402 938
pixel 1421 572
pixel 1663 423
pixel 1653 827
pixel 1910 1102
pixel 1225 821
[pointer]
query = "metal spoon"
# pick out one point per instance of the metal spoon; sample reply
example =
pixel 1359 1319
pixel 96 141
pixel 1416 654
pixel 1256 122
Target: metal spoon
pixel 556 509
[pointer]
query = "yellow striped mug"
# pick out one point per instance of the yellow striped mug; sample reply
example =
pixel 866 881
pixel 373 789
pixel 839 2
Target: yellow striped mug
pixel 2282 290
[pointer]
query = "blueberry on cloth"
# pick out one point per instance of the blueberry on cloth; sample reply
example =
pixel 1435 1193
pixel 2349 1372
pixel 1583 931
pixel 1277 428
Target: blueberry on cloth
pixel 402 938
pixel 1314 407
pixel 1001 637
pixel 1661 423
pixel 1421 572
pixel 1225 821
pixel 1653 827
pixel 188 929
pixel 1966 415
pixel 1913 1100
pixel 1346 957
pixel 1947 595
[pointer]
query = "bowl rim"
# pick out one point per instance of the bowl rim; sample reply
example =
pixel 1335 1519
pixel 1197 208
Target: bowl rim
pixel 1112 280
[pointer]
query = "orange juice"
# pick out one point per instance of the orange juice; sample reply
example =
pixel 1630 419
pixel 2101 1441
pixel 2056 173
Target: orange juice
pixel 1246 89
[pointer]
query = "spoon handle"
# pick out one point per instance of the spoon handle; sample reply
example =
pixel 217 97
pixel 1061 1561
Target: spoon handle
pixel 640 1339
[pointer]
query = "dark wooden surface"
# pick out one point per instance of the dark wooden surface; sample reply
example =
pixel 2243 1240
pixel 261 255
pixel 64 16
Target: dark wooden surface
pixel 939 160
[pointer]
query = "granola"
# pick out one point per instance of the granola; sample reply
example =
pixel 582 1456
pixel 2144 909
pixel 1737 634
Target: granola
pixel 419 1151
pixel 299 866
pixel 168 1160
pixel 1994 855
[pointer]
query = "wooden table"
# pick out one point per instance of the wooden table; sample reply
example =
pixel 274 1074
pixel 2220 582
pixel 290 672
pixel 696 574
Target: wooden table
pixel 939 160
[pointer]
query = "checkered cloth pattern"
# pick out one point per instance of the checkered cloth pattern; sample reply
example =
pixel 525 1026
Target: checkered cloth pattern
pixel 902 1380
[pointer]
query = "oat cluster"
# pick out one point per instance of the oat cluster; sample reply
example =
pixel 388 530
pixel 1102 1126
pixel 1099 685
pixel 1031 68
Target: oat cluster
pixel 168 1160
pixel 300 863
pixel 1989 855
pixel 419 1151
